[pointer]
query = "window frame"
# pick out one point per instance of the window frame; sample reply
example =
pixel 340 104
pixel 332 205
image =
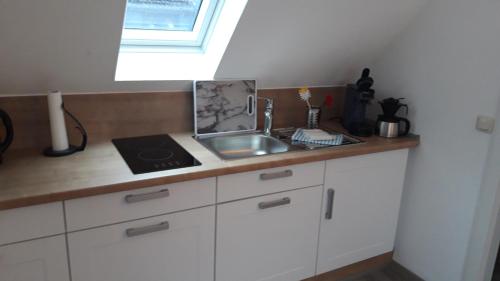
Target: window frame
pixel 159 64
pixel 136 40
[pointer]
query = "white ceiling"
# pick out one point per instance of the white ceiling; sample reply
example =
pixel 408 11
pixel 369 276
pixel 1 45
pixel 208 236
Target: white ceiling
pixel 72 45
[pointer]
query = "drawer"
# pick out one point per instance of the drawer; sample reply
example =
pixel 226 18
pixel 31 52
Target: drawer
pixel 140 203
pixel 31 222
pixel 243 185
pixel 177 246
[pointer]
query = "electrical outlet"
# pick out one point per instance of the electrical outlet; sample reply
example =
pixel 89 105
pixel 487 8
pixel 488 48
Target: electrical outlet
pixel 485 124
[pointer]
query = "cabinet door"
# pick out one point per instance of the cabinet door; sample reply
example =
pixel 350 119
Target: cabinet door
pixel 361 207
pixel 176 247
pixel 272 238
pixel 36 260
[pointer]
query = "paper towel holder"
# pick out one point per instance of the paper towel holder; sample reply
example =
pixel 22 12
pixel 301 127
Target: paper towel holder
pixel 50 152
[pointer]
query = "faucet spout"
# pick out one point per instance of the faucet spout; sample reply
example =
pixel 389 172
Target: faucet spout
pixel 268 116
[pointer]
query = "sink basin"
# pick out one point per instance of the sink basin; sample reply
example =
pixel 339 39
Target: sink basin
pixel 241 146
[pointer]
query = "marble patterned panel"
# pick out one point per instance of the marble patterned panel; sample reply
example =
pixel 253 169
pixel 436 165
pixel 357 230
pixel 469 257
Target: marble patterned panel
pixel 221 106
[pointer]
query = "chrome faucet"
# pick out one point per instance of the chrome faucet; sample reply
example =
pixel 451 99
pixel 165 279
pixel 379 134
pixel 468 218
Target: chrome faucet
pixel 268 116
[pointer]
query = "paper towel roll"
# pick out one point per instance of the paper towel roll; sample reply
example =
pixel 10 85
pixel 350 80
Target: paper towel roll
pixel 57 123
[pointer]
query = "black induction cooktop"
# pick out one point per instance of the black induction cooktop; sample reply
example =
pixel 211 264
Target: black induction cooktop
pixel 154 153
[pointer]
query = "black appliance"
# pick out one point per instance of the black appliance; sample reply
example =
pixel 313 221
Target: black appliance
pixel 388 124
pixel 154 153
pixel 9 133
pixel 357 97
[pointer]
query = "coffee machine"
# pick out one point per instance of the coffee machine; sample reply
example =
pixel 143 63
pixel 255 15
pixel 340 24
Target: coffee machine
pixel 388 124
pixel 357 97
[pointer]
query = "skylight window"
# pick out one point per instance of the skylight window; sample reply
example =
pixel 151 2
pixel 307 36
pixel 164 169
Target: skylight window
pixel 173 23
pixel 170 15
pixel 175 39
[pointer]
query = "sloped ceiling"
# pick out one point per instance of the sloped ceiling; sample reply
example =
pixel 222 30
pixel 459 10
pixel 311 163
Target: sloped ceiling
pixel 72 45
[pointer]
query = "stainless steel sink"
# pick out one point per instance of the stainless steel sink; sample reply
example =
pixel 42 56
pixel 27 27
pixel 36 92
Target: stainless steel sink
pixel 244 145
pixel 256 143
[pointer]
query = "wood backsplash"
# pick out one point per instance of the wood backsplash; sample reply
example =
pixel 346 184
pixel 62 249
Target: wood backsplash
pixel 117 115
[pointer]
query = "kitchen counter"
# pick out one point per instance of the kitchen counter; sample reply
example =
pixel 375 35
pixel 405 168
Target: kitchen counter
pixel 28 178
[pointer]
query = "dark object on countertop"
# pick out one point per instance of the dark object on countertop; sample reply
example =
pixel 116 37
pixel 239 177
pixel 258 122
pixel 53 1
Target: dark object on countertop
pixel 365 82
pixel 364 129
pixel 388 124
pixel 72 148
pixel 154 153
pixel 391 106
pixel 9 133
pixel 357 97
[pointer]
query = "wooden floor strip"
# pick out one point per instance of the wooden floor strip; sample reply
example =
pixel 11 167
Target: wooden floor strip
pixel 379 268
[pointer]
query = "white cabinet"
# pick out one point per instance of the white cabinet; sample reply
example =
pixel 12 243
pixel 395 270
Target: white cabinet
pixel 261 182
pixel 117 207
pixel 31 222
pixel 36 260
pixel 272 238
pixel 363 194
pixel 272 235
pixel 175 247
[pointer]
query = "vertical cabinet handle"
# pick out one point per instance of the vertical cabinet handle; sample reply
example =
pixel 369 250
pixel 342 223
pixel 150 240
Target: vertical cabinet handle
pixel 329 203
pixel 250 105
pixel 136 231
pixel 275 203
pixel 133 198
pixel 271 176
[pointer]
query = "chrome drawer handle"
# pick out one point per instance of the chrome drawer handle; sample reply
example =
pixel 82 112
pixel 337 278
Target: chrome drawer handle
pixel 271 176
pixel 329 203
pixel 131 232
pixel 133 198
pixel 275 203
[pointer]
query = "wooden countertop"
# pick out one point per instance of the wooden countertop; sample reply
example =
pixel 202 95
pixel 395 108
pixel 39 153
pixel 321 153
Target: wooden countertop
pixel 28 178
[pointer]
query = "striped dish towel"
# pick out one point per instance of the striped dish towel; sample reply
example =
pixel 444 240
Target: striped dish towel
pixel 317 136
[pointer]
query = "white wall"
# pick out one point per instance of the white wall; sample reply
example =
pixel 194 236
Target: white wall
pixel 447 65
pixel 72 44
pixel 485 237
